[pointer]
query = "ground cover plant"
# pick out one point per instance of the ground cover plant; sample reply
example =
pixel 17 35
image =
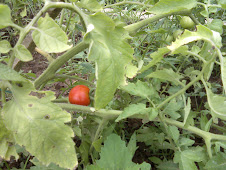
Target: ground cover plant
pixel 151 73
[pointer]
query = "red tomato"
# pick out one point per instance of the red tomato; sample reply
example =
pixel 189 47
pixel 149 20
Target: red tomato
pixel 79 95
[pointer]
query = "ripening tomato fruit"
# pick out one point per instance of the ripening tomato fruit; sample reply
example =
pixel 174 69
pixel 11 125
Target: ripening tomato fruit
pixel 187 23
pixel 79 95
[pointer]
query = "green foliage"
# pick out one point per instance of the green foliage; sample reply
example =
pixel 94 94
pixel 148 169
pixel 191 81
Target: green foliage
pixel 110 52
pixel 161 88
pixel 49 37
pixel 115 155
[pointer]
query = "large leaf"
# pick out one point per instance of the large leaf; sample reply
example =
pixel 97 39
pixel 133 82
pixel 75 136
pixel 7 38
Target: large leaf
pixel 115 155
pixel 217 104
pixel 217 162
pixel 111 53
pixel 7 149
pixel 187 158
pixel 49 36
pixel 5 16
pixel 38 124
pixel 202 33
pixel 169 6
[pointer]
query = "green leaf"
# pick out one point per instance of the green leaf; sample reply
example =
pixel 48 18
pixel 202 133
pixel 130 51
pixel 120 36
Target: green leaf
pixel 170 6
pixel 22 53
pixel 222 3
pixel 132 145
pixel 5 46
pixel 40 166
pixel 91 5
pixel 7 149
pixel 111 54
pixel 49 36
pixel 187 158
pixel 168 165
pixel 167 74
pixel 223 71
pixel 217 162
pixel 174 133
pixel 202 33
pixel 24 12
pixel 172 109
pixel 9 74
pixel 187 110
pixel 39 125
pixel 217 104
pixel 186 142
pixel 115 155
pixel 131 71
pixel 141 89
pixel 156 57
pixel 5 16
pixel 216 25
pixel 134 109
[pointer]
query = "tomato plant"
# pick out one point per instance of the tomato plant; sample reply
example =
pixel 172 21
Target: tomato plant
pixel 157 102
pixel 79 95
pixel 186 22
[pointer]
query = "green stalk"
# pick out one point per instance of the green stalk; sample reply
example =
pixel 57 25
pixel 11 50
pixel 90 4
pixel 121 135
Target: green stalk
pixel 133 28
pixel 113 114
pixel 49 73
pixel 128 2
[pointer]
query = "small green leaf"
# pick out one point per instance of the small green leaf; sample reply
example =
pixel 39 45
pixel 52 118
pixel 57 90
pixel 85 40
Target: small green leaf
pixel 141 89
pixel 9 74
pixel 187 110
pixel 169 6
pixel 216 25
pixel 49 36
pixel 217 162
pixel 168 165
pixel 131 71
pixel 91 5
pixel 186 142
pixel 156 57
pixel 217 104
pixel 22 53
pixel 24 12
pixel 167 74
pixel 132 145
pixel 133 109
pixel 5 46
pixel 174 133
pixel 5 16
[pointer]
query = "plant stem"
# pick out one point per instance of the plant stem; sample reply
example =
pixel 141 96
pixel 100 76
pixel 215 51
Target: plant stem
pixel 74 77
pixel 113 114
pixel 128 2
pixel 133 28
pixel 49 73
pixel 188 85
